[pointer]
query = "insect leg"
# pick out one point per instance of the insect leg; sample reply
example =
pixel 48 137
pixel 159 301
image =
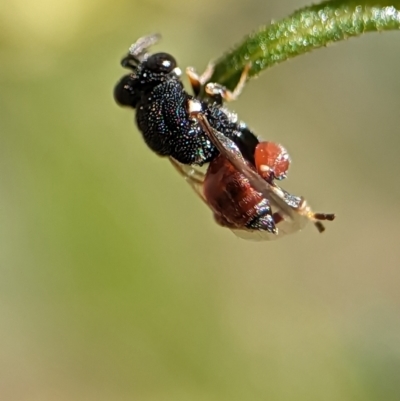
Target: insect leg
pixel 198 81
pixel 217 91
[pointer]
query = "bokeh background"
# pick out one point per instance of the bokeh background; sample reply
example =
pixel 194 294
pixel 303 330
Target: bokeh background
pixel 115 284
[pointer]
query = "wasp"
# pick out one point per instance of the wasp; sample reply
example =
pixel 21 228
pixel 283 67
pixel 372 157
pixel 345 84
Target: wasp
pixel 194 130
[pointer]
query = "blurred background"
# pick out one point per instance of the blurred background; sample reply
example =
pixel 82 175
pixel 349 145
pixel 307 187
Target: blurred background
pixel 115 283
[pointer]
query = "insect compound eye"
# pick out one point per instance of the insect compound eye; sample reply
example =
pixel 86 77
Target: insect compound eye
pixel 126 92
pixel 161 62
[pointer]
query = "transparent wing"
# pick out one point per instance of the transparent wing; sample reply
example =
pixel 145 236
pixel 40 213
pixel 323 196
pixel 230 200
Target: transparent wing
pixel 287 224
pixel 291 212
pixel 192 175
pixel 139 48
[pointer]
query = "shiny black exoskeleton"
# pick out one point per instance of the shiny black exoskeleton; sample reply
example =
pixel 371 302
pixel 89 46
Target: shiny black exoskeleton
pixel 193 130
pixel 155 90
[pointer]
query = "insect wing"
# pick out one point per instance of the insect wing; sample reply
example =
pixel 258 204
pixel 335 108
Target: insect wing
pixel 143 43
pixel 230 151
pixel 192 175
pixel 282 202
pixel 288 224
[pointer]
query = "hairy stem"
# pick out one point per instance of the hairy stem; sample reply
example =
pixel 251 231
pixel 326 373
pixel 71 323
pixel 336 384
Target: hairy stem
pixel 306 29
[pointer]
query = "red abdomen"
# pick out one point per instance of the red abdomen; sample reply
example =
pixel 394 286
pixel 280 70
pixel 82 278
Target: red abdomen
pixel 229 194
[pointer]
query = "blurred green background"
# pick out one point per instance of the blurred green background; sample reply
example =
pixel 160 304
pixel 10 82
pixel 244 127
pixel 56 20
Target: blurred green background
pixel 115 283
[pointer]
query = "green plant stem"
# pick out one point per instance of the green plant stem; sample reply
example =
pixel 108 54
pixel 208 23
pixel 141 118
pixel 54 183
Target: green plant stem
pixel 306 29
